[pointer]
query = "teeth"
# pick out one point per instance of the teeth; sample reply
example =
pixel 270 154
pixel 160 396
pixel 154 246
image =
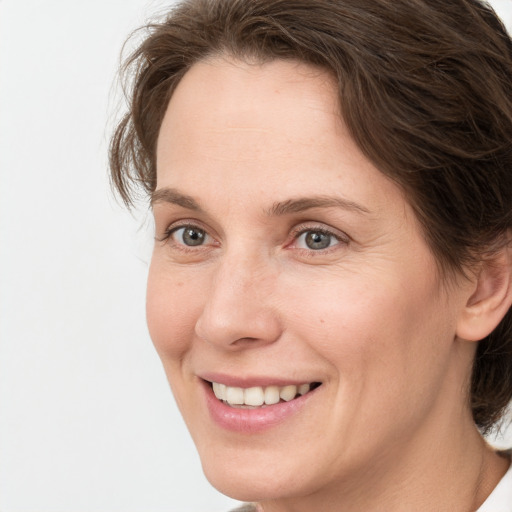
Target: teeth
pixel 254 396
pixel 303 389
pixel 219 390
pixel 234 396
pixel 288 392
pixel 271 395
pixel 258 396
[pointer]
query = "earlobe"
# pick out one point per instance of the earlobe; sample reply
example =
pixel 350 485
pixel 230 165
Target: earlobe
pixel 490 299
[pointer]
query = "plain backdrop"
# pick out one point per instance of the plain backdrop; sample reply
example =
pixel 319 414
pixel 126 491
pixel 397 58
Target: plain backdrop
pixel 87 422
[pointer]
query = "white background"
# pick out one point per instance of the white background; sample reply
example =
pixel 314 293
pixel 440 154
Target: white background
pixel 87 423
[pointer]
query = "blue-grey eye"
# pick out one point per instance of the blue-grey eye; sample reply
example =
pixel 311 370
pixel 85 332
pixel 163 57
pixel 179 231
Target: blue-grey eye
pixel 316 240
pixel 190 235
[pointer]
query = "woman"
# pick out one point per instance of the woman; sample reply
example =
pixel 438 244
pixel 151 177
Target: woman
pixel 330 287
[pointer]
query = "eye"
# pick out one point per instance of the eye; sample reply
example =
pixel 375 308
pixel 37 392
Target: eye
pixel 316 240
pixel 191 236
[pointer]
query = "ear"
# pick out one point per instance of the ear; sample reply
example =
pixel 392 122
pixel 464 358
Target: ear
pixel 490 299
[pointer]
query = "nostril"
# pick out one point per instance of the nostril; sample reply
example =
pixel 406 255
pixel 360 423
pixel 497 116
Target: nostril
pixel 247 338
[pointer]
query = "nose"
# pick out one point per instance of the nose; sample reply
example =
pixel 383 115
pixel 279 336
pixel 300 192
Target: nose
pixel 239 309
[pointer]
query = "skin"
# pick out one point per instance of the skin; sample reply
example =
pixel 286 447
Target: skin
pixel 368 316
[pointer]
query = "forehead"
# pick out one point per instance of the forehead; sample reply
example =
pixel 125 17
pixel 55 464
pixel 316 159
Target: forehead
pixel 238 85
pixel 220 96
pixel 237 126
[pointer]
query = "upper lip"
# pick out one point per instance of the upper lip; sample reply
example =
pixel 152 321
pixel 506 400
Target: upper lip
pixel 248 381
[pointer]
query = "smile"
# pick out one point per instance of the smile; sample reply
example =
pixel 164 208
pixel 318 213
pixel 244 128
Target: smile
pixel 251 409
pixel 259 396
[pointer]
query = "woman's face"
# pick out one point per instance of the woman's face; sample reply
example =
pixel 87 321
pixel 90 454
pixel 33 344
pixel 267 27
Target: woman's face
pixel 285 258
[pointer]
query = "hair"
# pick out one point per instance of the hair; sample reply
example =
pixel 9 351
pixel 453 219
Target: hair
pixel 424 89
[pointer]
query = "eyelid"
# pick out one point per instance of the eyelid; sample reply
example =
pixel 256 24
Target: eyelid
pixel 305 227
pixel 181 224
pixel 295 233
pixel 322 228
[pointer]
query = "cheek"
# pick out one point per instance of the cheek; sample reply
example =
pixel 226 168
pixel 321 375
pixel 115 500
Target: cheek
pixel 374 330
pixel 388 357
pixel 172 309
pixel 350 333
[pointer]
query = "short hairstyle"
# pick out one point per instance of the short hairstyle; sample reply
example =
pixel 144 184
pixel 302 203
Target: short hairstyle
pixel 424 88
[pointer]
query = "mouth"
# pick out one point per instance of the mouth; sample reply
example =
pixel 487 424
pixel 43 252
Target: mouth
pixel 259 397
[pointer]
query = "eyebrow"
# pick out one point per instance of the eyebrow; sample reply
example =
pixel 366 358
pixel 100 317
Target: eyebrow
pixel 307 203
pixel 171 195
pixel 298 205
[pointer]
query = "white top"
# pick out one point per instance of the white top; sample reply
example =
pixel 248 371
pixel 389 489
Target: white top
pixel 500 499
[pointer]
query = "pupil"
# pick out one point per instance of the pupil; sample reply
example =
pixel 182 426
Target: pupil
pixel 193 236
pixel 317 240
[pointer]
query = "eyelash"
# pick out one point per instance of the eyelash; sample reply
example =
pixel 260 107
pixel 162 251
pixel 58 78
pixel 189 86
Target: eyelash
pixel 341 239
pixel 168 236
pixel 297 232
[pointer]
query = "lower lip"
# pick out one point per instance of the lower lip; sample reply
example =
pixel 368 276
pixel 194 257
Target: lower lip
pixel 252 420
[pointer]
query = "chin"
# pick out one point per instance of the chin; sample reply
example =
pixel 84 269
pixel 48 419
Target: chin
pixel 238 487
pixel 254 477
pixel 249 485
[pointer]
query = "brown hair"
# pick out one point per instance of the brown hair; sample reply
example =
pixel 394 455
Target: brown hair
pixel 424 88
